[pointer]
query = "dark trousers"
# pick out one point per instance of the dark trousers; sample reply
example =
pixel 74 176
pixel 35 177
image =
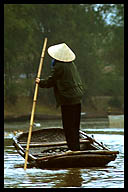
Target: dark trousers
pixel 71 124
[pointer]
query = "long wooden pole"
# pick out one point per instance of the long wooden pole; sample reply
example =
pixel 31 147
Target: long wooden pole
pixel 34 104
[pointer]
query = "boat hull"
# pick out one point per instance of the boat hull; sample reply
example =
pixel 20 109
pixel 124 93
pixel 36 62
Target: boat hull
pixel 48 149
pixel 78 161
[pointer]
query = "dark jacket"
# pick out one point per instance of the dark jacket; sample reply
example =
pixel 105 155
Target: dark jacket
pixel 67 84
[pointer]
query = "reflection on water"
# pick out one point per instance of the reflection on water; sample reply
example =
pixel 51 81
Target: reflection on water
pixel 71 179
pixel 110 176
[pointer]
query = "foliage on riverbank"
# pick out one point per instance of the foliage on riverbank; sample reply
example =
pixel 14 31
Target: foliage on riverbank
pixel 99 107
pixel 23 106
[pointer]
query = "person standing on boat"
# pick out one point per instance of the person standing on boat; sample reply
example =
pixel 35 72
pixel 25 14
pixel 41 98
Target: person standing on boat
pixel 68 90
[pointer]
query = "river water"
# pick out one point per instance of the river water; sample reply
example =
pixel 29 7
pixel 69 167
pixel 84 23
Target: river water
pixel 110 176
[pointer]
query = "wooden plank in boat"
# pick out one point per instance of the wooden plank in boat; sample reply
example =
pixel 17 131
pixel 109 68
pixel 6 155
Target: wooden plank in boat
pixel 93 152
pixel 32 145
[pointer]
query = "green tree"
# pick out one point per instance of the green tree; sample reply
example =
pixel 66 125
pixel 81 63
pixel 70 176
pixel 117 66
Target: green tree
pixel 83 27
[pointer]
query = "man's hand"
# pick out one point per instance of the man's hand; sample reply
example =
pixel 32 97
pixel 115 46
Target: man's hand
pixel 37 80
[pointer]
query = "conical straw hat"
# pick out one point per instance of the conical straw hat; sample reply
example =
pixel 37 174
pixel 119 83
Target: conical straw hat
pixel 61 52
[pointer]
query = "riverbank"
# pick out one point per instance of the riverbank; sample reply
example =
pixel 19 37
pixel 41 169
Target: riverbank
pixel 21 111
pixel 41 117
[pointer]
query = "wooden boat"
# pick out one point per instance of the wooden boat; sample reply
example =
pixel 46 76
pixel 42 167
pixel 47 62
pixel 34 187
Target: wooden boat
pixel 48 149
